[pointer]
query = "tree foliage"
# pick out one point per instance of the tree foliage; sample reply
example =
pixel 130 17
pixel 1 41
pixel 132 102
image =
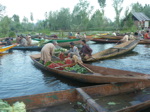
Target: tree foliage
pixel 118 8
pixel 102 4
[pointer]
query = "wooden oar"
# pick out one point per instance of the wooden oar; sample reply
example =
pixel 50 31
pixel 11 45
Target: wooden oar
pixel 85 67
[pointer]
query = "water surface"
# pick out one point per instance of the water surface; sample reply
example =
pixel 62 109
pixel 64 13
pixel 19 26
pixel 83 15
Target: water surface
pixel 19 76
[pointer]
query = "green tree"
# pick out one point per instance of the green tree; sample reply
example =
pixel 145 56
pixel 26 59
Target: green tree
pixel 118 8
pixel 102 4
pixel 5 26
pixel 64 19
pixel 31 17
pixel 80 15
pixel 2 9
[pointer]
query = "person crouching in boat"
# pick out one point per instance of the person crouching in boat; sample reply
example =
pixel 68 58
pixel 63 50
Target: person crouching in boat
pixel 73 53
pixel 48 51
pixel 125 38
pixel 86 51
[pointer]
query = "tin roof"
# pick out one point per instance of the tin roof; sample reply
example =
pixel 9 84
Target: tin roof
pixel 140 16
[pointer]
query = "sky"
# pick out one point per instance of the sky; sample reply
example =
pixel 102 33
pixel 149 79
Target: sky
pixel 39 7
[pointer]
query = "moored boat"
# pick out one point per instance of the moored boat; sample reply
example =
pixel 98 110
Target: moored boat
pixel 31 48
pixel 95 74
pixel 111 37
pixel 97 40
pixel 5 48
pixel 144 41
pixel 97 98
pixel 114 51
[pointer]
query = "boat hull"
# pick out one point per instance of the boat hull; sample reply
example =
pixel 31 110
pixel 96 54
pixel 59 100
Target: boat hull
pixel 69 96
pixel 114 51
pixel 99 75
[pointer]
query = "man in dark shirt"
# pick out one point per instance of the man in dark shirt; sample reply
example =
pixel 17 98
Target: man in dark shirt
pixel 86 51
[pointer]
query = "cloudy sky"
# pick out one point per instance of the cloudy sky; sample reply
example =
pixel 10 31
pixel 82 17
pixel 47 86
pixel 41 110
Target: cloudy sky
pixel 39 7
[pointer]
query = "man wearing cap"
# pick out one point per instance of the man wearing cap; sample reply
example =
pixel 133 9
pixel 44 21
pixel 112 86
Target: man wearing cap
pixel 48 51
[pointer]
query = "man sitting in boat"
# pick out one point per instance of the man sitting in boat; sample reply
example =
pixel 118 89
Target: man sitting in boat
pixel 86 51
pixel 146 35
pixel 48 51
pixel 23 41
pixel 73 53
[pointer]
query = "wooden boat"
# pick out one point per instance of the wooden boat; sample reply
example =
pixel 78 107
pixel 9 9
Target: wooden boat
pixel 5 48
pixel 111 37
pixel 31 48
pixel 96 74
pixel 89 99
pixel 97 40
pixel 59 40
pixel 114 51
pixel 88 36
pixel 144 41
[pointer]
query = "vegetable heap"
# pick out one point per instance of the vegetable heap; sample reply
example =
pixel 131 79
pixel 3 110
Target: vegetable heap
pixel 16 107
pixel 77 68
pixel 60 50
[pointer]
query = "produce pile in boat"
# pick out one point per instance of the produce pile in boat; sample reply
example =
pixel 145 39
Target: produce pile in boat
pixel 66 65
pixel 16 107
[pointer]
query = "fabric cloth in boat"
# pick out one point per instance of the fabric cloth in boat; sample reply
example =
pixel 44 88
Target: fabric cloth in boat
pixel 47 52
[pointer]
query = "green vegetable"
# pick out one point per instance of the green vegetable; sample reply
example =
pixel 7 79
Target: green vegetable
pixel 60 50
pixel 77 68
pixel 47 63
pixel 111 103
pixel 17 107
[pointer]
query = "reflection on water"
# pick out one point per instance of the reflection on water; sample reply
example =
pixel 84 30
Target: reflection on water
pixel 19 76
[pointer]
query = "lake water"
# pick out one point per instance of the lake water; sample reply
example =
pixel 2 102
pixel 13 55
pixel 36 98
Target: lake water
pixel 19 77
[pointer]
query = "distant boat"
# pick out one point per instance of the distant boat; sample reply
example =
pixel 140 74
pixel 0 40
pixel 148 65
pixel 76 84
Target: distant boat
pixel 5 48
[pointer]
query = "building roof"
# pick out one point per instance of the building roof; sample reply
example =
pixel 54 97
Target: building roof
pixel 140 16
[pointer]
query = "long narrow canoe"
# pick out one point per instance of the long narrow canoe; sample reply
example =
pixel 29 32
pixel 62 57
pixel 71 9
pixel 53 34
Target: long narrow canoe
pixel 114 51
pixel 60 40
pixel 111 37
pixel 97 40
pixel 89 99
pixel 31 48
pixel 96 74
pixel 104 40
pixel 5 48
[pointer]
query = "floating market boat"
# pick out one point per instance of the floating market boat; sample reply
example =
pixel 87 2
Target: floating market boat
pixel 91 74
pixel 100 98
pixel 97 40
pixel 88 36
pixel 111 37
pixel 114 51
pixel 31 48
pixel 144 41
pixel 58 40
pixel 5 48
